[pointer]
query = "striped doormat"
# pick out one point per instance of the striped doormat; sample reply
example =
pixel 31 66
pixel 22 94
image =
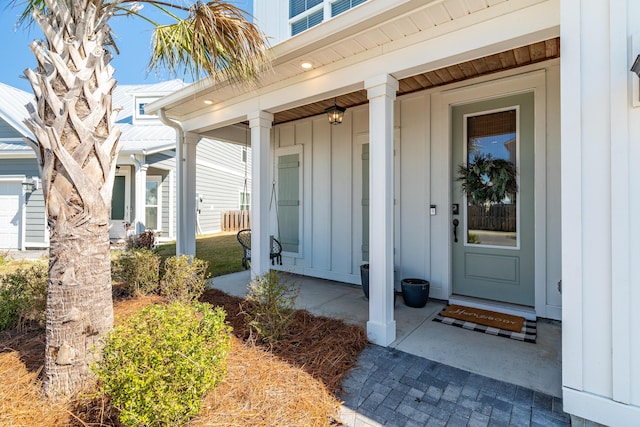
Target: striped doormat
pixel 527 332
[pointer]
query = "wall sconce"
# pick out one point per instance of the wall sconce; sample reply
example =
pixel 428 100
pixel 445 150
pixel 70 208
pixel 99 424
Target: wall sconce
pixel 335 113
pixel 31 184
pixel 635 83
pixel 636 66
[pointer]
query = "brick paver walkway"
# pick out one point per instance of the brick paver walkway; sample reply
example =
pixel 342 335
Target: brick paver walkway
pixel 392 388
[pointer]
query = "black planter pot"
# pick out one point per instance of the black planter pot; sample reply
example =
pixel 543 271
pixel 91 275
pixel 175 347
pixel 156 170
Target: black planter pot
pixel 415 292
pixel 364 277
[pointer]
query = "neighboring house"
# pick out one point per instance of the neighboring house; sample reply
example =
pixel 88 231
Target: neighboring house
pixel 145 167
pixel 425 83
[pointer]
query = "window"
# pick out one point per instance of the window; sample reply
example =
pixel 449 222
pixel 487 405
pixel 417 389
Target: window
pixel 304 14
pixel 307 22
pixel 340 6
pixel 296 7
pixel 491 178
pixel 245 201
pixel 139 115
pixel 153 203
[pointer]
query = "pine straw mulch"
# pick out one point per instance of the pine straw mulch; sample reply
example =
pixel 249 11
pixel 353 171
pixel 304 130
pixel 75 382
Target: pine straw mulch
pixel 291 383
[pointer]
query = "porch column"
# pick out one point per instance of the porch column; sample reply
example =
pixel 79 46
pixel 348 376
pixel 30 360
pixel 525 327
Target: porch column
pixel 140 188
pixel 260 124
pixel 381 91
pixel 188 224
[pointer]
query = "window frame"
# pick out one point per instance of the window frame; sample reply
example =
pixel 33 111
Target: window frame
pixel 157 179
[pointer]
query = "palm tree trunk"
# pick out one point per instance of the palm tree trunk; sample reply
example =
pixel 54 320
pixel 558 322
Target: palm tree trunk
pixel 79 304
pixel 77 148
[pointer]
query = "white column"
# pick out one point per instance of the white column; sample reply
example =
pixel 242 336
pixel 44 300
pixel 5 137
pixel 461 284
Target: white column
pixel 381 91
pixel 188 223
pixel 260 124
pixel 140 184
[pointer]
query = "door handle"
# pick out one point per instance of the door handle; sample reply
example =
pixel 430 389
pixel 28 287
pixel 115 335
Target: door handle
pixel 455 229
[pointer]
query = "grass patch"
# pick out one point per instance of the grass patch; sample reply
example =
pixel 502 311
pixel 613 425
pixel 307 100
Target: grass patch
pixel 222 251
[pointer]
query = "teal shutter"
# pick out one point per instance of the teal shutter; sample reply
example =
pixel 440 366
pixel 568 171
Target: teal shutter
pixel 289 202
pixel 117 198
pixel 365 202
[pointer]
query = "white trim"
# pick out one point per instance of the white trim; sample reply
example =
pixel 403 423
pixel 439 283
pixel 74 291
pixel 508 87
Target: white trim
pixel 599 409
pixel 172 204
pixel 158 179
pixel 126 172
pixel 441 167
pixel 465 160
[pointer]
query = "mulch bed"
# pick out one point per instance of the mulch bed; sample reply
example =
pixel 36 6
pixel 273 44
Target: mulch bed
pixel 324 347
pixel 291 382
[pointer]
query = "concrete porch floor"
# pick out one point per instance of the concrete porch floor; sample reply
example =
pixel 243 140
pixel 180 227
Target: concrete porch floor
pixel 533 366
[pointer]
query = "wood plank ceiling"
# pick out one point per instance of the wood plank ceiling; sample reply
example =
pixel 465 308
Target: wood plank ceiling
pixel 518 57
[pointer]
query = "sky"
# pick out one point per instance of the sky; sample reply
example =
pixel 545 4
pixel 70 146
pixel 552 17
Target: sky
pixel 134 41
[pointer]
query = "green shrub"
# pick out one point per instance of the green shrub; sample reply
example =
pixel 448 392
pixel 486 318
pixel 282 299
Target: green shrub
pixel 184 278
pixel 270 309
pixel 23 297
pixel 158 367
pixel 139 271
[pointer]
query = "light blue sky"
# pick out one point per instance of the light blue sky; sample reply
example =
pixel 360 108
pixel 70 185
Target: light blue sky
pixel 134 38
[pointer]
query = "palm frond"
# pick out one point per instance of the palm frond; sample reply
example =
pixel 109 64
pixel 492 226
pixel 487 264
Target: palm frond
pixel 215 39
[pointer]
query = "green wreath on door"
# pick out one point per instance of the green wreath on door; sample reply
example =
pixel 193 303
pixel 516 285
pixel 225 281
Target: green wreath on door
pixel 488 180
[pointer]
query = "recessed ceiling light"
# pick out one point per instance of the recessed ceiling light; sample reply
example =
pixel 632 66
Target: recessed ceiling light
pixel 306 65
pixel 208 101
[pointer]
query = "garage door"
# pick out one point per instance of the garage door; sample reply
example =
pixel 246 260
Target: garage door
pixel 10 215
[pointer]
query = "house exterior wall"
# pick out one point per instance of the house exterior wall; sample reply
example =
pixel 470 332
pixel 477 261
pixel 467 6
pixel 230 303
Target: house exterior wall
pixel 161 164
pixel 219 179
pixel 272 16
pixel 34 229
pixel 331 234
pixel 7 131
pixel 600 201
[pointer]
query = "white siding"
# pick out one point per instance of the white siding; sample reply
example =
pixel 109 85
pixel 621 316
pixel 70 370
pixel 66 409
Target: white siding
pixel 333 186
pixel 600 201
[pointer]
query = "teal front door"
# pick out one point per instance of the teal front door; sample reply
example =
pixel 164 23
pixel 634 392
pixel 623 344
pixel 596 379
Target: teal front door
pixel 493 195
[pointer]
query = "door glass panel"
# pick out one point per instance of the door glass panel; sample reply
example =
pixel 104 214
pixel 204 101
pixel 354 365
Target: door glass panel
pixel 490 179
pixel 151 217
pixel 117 199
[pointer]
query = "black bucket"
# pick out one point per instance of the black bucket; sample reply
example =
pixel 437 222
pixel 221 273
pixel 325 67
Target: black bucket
pixel 415 292
pixel 364 277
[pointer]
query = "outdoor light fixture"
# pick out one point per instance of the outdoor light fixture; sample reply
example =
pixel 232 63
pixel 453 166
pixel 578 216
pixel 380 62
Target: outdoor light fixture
pixel 636 66
pixel 335 113
pixel 30 184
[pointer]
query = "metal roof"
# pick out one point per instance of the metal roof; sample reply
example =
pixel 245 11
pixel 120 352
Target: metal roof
pixel 147 137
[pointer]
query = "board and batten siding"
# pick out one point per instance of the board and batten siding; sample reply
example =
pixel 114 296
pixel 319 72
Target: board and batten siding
pixel 600 146
pixel 332 201
pixel 220 179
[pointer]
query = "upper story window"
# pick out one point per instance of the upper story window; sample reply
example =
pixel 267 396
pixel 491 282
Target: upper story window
pixel 339 6
pixel 304 14
pixel 139 115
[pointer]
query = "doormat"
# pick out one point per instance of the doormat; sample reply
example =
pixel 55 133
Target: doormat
pixel 489 322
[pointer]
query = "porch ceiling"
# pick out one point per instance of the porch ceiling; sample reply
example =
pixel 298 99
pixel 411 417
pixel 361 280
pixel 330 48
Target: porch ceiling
pixel 513 58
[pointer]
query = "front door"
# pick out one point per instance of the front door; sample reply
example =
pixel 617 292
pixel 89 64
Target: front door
pixel 493 195
pixel 120 205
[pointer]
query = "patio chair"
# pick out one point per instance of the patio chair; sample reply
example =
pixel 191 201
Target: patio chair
pixel 244 238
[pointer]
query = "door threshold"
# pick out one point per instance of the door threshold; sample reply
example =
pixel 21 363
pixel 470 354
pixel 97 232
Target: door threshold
pixel 528 313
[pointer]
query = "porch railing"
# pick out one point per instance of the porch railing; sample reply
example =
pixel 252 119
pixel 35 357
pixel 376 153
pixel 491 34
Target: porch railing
pixel 235 220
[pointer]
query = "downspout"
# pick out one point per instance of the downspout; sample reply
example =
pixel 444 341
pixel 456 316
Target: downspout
pixel 180 185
